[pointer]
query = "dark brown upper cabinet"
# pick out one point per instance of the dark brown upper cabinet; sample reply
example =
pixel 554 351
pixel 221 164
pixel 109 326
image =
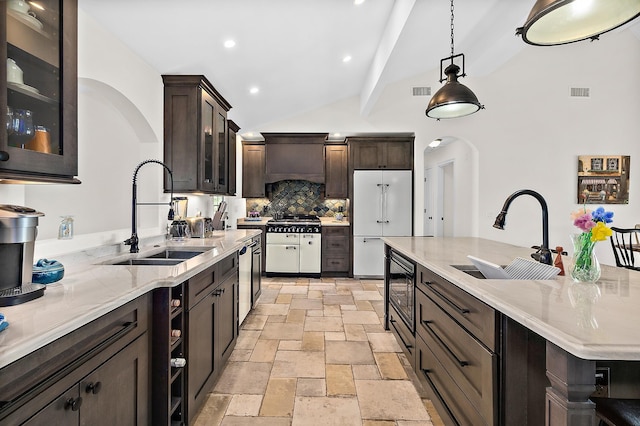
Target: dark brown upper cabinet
pixel 233 131
pixel 294 156
pixel 253 165
pixel 336 171
pixel 381 153
pixel 196 137
pixel 38 93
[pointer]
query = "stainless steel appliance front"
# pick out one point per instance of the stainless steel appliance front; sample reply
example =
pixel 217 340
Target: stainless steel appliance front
pixel 401 287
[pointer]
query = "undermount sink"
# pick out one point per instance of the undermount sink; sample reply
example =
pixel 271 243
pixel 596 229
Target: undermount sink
pixel 176 254
pixel 167 256
pixel 151 262
pixel 471 270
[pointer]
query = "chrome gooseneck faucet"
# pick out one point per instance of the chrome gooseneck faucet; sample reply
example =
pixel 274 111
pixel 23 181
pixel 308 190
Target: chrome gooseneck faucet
pixel 543 255
pixel 133 241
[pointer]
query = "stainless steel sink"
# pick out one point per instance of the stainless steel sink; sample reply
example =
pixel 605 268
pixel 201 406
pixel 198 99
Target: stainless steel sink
pixel 177 254
pixel 471 270
pixel 151 262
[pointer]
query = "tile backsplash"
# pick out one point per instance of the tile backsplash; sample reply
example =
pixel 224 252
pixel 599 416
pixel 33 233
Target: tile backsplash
pixel 296 197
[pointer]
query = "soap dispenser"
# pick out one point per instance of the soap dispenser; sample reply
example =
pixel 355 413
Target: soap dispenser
pixel 65 231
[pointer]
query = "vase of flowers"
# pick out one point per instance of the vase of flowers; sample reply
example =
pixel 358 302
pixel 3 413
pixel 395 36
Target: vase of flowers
pixel 593 225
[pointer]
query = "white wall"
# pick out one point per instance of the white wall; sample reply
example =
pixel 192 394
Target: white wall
pixel 529 135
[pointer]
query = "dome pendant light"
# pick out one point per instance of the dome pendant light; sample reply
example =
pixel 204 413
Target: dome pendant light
pixel 553 22
pixel 453 99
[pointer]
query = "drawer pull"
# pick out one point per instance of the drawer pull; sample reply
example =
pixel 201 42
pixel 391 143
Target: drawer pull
pixel 73 404
pixel 460 310
pixel 406 345
pixel 93 388
pixel 444 345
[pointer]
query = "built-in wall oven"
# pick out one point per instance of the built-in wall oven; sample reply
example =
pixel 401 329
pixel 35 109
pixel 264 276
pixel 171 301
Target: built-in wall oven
pixel 401 287
pixel 293 246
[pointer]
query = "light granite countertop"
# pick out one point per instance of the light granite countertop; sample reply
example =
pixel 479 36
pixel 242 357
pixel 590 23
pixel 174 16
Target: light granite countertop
pixel 90 289
pixel 596 321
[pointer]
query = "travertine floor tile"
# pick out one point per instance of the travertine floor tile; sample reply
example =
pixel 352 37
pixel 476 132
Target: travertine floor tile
pixel 360 317
pixel 367 295
pixel 264 351
pixel 325 411
pixel 284 331
pixel 366 372
pixel 364 305
pixel 308 364
pixel 278 399
pixel 240 355
pixel 390 366
pixel 348 353
pixel 272 309
pixel 313 341
pixel 244 378
pixel 247 339
pixel 296 316
pixel 254 322
pixel 389 400
pixel 306 304
pixel 330 299
pixel 355 332
pixel 254 421
pixel 323 324
pixel 294 289
pixel 332 311
pixel 378 423
pixel 334 335
pixel 311 387
pixel 244 405
pixel 383 342
pixel 213 410
pixel 339 380
pixel 284 298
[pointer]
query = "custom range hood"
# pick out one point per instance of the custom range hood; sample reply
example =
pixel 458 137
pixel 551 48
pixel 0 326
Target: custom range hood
pixel 294 156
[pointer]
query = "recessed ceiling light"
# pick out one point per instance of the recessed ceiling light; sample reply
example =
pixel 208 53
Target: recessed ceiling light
pixel 358 2
pixel 346 58
pixel 229 43
pixel 435 143
pixel 254 90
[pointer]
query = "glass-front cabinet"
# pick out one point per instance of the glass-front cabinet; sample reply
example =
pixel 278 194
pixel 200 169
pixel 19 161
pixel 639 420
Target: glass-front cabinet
pixel 38 90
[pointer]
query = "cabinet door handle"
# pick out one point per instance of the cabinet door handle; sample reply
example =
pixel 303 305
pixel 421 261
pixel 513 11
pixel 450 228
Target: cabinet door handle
pixel 393 323
pixel 445 299
pixel 444 345
pixel 4 156
pixel 73 404
pixel 93 388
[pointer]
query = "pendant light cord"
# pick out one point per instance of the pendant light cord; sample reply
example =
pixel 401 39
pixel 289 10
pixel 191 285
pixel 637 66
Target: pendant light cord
pixel 452 31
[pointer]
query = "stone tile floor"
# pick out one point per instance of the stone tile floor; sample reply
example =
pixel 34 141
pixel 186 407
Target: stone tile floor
pixel 315 352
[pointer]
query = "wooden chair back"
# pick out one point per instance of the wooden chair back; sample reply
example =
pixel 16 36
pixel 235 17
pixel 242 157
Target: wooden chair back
pixel 624 242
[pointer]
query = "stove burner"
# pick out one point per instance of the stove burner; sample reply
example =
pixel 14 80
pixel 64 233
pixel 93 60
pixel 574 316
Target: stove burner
pixel 295 224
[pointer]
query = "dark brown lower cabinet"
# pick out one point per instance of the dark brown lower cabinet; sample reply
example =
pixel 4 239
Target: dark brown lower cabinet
pixel 335 250
pixel 212 329
pixel 96 375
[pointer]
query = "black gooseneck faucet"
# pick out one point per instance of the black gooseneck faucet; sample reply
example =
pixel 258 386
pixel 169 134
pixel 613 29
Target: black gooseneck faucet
pixel 543 255
pixel 133 240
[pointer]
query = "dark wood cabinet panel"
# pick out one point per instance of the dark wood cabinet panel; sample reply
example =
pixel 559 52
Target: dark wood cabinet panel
pixel 335 250
pixel 212 330
pixel 196 137
pixel 81 377
pixel 336 171
pixel 381 153
pixel 233 132
pixel 44 147
pixel 253 171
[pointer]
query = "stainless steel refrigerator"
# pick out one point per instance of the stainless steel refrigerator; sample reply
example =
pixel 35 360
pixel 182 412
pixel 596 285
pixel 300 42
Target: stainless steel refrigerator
pixel 382 207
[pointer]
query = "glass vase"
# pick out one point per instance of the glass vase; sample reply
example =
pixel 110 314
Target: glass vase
pixel 586 267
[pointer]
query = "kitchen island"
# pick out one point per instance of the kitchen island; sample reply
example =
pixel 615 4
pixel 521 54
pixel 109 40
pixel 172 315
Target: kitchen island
pixel 113 322
pixel 578 323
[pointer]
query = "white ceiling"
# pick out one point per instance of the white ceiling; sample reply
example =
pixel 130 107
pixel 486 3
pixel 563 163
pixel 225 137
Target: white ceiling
pixel 293 49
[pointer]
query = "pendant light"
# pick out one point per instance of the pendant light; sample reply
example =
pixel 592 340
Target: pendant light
pixel 453 99
pixel 553 22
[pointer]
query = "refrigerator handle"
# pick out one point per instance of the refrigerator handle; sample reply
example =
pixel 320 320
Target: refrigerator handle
pixel 381 211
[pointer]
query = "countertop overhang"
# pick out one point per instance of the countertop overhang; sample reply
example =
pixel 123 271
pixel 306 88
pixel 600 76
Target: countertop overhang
pixel 596 321
pixel 91 289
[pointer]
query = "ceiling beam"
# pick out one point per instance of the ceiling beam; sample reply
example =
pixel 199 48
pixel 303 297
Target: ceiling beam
pixel 374 82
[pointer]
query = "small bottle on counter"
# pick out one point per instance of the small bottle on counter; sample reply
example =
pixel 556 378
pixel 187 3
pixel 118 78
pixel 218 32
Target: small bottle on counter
pixel 558 261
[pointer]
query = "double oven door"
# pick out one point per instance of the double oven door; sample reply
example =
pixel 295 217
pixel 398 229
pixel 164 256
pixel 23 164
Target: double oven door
pixel 292 253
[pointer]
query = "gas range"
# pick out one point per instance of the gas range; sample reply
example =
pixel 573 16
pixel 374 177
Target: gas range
pixel 303 224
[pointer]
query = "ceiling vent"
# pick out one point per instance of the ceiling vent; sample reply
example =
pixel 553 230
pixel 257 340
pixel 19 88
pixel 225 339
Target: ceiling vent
pixel 579 92
pixel 421 91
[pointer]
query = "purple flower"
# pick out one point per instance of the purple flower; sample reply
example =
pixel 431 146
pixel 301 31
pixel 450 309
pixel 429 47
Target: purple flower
pixel 584 222
pixel 600 215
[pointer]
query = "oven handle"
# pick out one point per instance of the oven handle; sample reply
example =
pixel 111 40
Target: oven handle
pixel 405 265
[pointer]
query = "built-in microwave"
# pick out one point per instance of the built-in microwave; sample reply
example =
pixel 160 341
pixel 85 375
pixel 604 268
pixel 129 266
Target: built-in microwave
pixel 401 287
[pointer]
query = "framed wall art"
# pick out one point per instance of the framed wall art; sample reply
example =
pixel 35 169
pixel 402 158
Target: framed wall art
pixel 603 179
